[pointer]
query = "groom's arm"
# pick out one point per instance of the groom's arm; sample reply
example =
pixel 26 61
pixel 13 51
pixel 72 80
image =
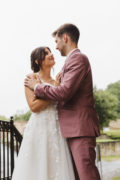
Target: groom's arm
pixel 76 71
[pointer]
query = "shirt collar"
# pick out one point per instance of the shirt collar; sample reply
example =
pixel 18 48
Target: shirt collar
pixel 71 52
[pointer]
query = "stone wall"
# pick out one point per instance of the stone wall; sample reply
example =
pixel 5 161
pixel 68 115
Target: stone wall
pixel 110 148
pixel 20 125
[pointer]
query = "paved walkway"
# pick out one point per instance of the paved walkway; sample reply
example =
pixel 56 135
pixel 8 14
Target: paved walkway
pixel 110 169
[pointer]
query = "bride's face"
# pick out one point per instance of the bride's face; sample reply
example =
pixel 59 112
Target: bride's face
pixel 49 59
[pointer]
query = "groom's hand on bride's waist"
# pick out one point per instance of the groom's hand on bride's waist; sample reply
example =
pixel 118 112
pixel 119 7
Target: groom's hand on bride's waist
pixel 30 81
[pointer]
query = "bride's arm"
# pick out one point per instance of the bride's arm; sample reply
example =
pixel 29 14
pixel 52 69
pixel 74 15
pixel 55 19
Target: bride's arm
pixel 35 104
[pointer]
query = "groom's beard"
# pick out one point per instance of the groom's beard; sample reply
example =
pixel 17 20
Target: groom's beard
pixel 62 51
pixel 62 54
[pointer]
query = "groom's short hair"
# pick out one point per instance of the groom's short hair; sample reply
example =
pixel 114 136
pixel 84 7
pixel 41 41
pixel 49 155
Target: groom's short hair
pixel 69 29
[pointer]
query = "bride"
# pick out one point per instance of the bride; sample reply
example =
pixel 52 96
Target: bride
pixel 44 153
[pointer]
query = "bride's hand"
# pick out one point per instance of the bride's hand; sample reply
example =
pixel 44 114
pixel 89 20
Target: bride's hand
pixel 57 80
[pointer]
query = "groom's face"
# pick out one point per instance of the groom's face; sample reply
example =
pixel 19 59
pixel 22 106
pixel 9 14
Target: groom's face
pixel 60 45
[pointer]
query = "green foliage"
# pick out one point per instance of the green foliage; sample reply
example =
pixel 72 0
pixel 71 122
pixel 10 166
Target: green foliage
pixel 113 134
pixel 106 105
pixel 3 118
pixel 114 89
pixel 22 117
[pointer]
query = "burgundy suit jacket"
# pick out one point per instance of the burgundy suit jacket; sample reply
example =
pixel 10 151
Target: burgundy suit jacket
pixel 76 109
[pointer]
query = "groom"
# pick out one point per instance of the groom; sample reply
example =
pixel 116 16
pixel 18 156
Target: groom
pixel 77 115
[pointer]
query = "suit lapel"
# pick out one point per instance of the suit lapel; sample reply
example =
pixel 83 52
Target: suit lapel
pixel 66 61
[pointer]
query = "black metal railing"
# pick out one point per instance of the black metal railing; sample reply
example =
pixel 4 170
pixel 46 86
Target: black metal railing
pixel 10 141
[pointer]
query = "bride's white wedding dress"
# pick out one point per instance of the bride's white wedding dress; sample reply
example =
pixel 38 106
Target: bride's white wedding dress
pixel 44 153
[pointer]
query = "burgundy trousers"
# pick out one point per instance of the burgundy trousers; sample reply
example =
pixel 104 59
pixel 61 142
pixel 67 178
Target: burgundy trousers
pixel 83 156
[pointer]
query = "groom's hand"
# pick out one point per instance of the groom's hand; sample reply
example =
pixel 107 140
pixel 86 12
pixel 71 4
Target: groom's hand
pixel 30 82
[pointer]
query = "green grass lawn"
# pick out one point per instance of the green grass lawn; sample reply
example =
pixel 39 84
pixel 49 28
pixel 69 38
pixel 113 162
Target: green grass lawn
pixel 110 158
pixel 113 135
pixel 106 140
pixel 116 178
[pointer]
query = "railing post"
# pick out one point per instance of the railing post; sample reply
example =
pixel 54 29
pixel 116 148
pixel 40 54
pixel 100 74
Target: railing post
pixel 9 137
pixel 12 144
pixel 98 153
pixel 99 159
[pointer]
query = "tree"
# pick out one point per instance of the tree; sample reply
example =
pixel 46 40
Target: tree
pixel 114 89
pixel 106 105
pixel 22 117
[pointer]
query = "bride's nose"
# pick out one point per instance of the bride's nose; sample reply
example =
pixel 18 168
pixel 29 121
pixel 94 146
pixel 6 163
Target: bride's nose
pixel 51 55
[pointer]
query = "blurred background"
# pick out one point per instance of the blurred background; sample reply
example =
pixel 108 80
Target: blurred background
pixel 27 24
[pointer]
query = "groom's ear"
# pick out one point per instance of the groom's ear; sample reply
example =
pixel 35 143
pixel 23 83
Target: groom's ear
pixel 36 61
pixel 65 38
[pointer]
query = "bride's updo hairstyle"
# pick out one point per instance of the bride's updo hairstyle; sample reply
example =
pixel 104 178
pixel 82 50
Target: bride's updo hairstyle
pixel 39 55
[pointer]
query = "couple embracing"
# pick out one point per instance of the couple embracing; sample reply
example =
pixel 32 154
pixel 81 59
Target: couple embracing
pixel 60 136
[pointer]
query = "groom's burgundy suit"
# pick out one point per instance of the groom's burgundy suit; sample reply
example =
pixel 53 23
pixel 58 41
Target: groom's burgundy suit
pixel 77 115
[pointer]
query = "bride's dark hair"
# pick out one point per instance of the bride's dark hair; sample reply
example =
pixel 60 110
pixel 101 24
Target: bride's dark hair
pixel 39 55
